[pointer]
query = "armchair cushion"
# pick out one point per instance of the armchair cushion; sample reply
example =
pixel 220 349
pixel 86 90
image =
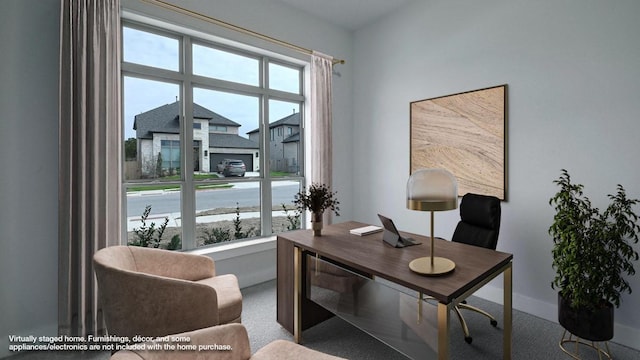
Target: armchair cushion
pixel 229 297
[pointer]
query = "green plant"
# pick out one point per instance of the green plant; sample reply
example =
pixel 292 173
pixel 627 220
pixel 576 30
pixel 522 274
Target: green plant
pixel 591 252
pixel 237 226
pixel 130 148
pixel 215 235
pixel 294 220
pixel 175 243
pixel 159 165
pixel 318 199
pixel 148 235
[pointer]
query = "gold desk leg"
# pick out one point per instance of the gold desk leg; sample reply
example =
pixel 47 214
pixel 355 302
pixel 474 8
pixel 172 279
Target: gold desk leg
pixel 419 307
pixel 508 309
pixel 443 331
pixel 297 294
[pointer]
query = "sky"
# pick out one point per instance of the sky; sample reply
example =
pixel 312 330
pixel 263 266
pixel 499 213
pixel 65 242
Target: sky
pixel 141 95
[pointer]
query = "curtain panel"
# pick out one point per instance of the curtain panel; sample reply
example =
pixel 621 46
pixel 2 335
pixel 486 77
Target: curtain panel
pixel 90 137
pixel 321 120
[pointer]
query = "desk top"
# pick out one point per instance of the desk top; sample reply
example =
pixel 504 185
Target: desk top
pixel 371 255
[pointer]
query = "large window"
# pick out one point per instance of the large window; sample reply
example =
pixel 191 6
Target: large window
pixel 203 163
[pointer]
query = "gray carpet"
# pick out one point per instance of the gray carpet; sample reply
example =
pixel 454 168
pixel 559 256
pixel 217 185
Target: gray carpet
pixel 533 338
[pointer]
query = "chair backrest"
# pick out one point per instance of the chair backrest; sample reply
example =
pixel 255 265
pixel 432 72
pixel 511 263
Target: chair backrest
pixel 479 221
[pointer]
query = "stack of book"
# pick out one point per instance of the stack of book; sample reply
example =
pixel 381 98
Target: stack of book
pixel 366 230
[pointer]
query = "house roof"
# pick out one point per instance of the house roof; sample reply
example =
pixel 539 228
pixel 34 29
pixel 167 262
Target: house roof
pixel 291 120
pixel 231 141
pixel 164 119
pixel 293 138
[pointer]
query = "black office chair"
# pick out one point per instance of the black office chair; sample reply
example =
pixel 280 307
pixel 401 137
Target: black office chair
pixel 479 226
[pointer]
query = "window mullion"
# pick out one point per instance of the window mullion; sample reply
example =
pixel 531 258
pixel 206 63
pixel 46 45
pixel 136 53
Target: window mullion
pixel 266 211
pixel 186 129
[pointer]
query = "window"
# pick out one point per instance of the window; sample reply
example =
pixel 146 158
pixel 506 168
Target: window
pixel 169 156
pixel 199 132
pixel 159 51
pixel 225 65
pixel 285 78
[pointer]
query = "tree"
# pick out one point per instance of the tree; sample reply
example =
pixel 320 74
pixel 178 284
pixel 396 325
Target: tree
pixel 130 149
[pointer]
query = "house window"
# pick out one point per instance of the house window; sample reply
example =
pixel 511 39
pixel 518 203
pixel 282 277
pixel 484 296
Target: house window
pixel 170 78
pixel 219 128
pixel 170 156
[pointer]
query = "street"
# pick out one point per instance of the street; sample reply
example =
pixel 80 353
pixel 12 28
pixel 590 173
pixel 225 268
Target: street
pixel 243 194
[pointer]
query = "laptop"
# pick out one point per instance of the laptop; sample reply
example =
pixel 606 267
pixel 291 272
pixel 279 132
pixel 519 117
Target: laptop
pixel 391 235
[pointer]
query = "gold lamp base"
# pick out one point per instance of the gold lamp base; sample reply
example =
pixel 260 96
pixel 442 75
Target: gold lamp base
pixel 440 266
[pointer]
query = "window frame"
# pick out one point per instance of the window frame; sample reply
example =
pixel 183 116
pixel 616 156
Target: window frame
pixel 187 82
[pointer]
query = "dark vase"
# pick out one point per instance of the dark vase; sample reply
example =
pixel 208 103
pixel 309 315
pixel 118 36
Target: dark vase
pixel 593 325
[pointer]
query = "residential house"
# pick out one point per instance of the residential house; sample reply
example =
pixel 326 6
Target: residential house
pixel 214 138
pixel 284 143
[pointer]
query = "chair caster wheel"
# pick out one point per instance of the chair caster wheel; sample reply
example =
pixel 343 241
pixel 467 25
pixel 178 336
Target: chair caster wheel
pixel 494 323
pixel 468 339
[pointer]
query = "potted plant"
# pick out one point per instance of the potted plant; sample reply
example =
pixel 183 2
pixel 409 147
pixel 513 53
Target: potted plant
pixel 318 199
pixel 592 253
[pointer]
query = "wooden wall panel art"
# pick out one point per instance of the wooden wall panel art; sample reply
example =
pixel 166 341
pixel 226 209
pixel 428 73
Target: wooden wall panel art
pixel 465 134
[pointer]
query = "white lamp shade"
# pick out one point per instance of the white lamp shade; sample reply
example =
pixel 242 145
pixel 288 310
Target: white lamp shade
pixel 432 190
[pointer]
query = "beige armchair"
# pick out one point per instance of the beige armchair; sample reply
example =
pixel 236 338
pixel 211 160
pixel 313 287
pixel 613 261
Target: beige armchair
pixel 231 340
pixel 153 292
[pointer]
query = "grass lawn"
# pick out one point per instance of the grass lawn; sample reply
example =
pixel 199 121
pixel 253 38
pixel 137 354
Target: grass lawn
pixel 196 177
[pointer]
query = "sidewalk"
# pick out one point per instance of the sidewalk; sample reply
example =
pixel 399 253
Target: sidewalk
pixel 237 185
pixel 175 221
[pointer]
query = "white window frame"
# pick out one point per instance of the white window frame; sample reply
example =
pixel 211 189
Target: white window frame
pixel 187 82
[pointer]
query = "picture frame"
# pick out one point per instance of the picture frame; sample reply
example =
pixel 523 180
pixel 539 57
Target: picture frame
pixel 464 133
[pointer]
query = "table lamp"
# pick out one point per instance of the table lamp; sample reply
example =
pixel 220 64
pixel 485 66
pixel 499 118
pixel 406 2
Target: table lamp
pixel 432 190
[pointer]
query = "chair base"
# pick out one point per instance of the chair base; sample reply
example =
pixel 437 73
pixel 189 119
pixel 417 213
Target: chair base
pixel 578 341
pixel 463 323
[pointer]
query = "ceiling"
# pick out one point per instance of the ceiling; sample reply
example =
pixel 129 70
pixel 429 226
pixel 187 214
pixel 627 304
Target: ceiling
pixel 349 14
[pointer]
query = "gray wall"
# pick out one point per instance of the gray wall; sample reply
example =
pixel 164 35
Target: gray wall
pixel 29 139
pixel 573 73
pixel 572 70
pixel 29 163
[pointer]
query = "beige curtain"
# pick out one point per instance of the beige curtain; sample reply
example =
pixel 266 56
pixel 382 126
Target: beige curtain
pixel 89 156
pixel 321 119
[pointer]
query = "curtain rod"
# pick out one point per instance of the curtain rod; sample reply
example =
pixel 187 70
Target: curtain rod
pixel 230 26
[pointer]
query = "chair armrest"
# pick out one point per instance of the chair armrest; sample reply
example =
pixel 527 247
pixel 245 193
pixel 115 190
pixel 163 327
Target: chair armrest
pixel 223 342
pixel 173 264
pixel 150 305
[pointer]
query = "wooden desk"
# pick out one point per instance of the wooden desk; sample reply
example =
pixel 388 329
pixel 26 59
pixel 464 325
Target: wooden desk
pixel 475 267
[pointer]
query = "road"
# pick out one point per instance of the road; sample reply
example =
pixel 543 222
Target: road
pixel 169 202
